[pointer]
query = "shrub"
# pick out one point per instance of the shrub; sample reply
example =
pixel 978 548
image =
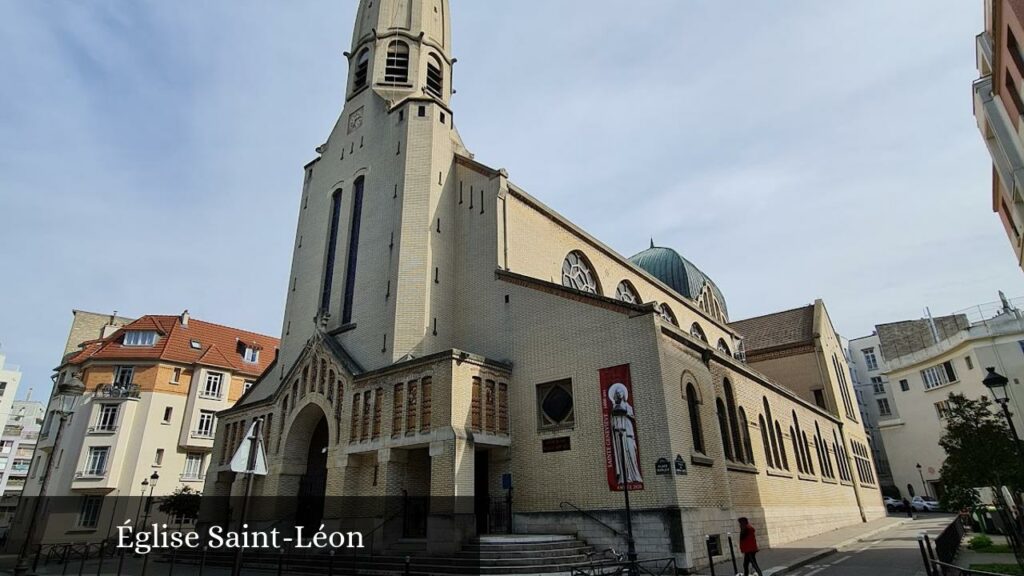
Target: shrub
pixel 979 541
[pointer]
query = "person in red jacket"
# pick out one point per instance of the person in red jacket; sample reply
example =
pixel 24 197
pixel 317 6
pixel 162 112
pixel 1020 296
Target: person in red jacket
pixel 748 546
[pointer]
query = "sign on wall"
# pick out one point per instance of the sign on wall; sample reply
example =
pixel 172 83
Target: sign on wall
pixel 621 453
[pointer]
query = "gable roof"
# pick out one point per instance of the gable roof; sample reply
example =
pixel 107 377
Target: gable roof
pixel 218 345
pixel 777 330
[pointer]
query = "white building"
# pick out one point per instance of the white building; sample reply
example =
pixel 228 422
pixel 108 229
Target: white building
pixel 921 362
pixel 16 448
pixel 10 377
pixel 874 398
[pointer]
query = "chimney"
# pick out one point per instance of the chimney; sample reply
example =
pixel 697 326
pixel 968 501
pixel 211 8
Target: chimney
pixel 184 319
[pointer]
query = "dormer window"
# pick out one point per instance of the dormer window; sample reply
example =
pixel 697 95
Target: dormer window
pixel 139 338
pixel 362 70
pixel 396 70
pixel 435 76
pixel 251 355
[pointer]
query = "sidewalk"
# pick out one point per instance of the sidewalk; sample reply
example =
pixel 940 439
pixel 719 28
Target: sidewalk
pixel 788 557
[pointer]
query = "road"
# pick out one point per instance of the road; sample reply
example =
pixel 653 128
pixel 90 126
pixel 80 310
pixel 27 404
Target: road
pixel 891 553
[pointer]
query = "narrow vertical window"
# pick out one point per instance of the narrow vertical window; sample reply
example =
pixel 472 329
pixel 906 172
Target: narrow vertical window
pixel 362 70
pixel 435 76
pixel 353 251
pixel 396 70
pixel 332 250
pixel 696 429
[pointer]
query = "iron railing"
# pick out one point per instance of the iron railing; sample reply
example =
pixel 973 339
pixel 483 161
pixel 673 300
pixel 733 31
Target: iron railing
pixel 117 390
pixel 652 567
pixel 563 506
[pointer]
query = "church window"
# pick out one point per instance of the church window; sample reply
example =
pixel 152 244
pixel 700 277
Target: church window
pixel 555 405
pixel 627 293
pixel 769 460
pixel 782 446
pixel 578 274
pixel 745 437
pixel 723 429
pixel 697 332
pixel 435 76
pixel 332 250
pixel 734 427
pixel 362 70
pixel 696 428
pixel 667 315
pixel 353 251
pixel 396 70
pixel 723 347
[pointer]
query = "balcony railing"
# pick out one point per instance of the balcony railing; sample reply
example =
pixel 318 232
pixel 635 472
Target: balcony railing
pixel 211 394
pixel 103 429
pixel 192 477
pixel 202 434
pixel 91 474
pixel 117 390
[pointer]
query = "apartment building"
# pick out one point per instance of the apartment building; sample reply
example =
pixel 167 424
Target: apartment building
pixel 998 108
pixel 874 399
pixel 16 451
pixel 921 362
pixel 153 388
pixel 10 379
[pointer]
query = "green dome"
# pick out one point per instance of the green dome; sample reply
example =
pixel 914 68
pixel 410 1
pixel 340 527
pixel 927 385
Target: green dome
pixel 678 273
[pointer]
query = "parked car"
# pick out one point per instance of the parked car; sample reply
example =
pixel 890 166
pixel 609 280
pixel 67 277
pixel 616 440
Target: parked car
pixel 894 504
pixel 925 504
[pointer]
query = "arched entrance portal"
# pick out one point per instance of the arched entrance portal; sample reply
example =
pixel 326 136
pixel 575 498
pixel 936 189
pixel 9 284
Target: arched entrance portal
pixel 313 483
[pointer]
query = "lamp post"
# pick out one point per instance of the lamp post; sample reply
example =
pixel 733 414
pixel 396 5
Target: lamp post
pixel 996 382
pixel 923 483
pixel 142 498
pixel 149 501
pixel 63 403
pixel 620 418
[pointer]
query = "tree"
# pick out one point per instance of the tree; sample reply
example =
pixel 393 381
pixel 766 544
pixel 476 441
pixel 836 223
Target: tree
pixel 182 503
pixel 980 453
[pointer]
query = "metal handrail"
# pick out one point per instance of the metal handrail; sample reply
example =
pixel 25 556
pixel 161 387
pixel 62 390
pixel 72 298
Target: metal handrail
pixel 562 505
pixel 381 525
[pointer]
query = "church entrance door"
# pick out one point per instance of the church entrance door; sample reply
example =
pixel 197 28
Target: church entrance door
pixel 313 484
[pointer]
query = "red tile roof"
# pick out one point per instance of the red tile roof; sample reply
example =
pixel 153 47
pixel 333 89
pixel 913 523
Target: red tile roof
pixel 219 346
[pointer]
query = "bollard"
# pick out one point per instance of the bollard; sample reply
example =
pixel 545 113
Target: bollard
pixel 202 561
pixel 406 566
pixel 174 557
pixel 924 555
pixel 330 563
pixel 99 563
pixel 732 552
pixel 280 561
pixel 928 545
pixel 711 559
pixel 64 559
pixel 85 556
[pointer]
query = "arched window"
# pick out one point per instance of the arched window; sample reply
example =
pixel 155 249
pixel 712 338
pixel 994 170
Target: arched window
pixel 734 427
pixel 910 490
pixel 697 332
pixel 626 292
pixel 745 437
pixel 782 446
pixel 396 69
pixel 696 428
pixel 766 442
pixel 807 452
pixel 723 429
pixel 796 450
pixel 435 76
pixel 362 70
pixel 802 456
pixel 776 440
pixel 723 347
pixel 821 458
pixel 578 274
pixel 667 315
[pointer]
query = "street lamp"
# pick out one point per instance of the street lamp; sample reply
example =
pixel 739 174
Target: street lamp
pixel 619 421
pixel 923 483
pixel 63 404
pixel 142 498
pixel 996 382
pixel 149 501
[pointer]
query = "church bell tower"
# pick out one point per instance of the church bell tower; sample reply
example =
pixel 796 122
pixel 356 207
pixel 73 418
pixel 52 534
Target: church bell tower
pixel 372 265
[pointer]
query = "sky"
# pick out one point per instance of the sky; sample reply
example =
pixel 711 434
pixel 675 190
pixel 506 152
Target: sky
pixel 151 152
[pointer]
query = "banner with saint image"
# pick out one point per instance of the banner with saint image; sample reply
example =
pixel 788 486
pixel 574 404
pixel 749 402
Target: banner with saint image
pixel 621 449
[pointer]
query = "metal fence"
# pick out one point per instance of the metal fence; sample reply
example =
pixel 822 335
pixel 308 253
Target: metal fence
pixel 938 554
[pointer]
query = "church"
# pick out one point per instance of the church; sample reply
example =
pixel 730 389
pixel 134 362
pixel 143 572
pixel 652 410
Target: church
pixel 450 340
